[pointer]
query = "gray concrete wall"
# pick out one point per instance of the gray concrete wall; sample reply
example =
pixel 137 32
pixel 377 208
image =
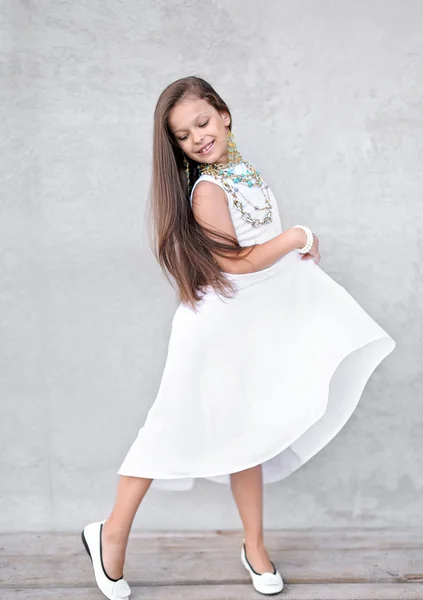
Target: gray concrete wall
pixel 327 103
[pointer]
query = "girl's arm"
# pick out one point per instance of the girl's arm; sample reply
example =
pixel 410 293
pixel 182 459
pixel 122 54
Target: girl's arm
pixel 210 207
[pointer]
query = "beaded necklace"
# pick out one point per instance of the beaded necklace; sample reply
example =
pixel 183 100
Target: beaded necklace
pixel 239 170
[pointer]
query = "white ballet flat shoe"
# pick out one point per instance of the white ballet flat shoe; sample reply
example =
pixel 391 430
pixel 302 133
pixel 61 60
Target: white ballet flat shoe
pixel 113 589
pixel 264 583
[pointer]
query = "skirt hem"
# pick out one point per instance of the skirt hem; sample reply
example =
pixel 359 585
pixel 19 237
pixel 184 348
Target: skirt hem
pixel 385 349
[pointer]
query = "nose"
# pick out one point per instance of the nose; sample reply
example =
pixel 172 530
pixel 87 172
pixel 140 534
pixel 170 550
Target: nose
pixel 198 138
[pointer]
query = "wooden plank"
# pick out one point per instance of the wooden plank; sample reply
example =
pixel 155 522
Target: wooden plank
pixel 231 592
pixel 329 564
pixel 150 542
pixel 296 566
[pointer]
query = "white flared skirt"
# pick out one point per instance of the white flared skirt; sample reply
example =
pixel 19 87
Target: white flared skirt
pixel 267 377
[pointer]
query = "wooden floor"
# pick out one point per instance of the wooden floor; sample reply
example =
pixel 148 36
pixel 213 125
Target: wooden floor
pixel 317 564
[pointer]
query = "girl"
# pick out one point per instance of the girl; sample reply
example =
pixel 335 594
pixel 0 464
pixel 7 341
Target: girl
pixel 268 355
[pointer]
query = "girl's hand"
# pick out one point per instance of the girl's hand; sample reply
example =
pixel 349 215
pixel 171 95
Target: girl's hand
pixel 314 251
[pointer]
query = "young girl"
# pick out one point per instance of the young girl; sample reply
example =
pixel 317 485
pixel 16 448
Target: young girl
pixel 268 355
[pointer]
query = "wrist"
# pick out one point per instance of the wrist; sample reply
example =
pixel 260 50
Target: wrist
pixel 299 238
pixel 310 239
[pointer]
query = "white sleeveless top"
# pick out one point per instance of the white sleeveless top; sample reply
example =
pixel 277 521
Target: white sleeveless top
pixel 246 233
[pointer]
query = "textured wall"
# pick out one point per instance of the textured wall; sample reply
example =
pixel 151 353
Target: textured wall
pixel 327 103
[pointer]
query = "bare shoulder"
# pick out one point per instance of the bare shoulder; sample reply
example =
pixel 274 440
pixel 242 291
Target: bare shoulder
pixel 206 192
pixel 210 207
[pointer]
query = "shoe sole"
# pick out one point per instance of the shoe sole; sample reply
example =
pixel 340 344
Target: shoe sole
pixel 265 594
pixel 84 541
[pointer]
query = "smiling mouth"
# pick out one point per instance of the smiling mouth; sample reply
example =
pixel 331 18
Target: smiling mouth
pixel 207 148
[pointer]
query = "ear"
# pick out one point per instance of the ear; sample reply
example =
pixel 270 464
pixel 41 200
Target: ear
pixel 226 118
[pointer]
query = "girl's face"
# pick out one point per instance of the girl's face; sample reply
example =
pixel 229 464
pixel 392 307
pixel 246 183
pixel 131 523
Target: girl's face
pixel 197 125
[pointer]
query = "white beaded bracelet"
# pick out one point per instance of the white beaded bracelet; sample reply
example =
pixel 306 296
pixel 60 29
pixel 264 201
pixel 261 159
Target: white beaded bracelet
pixel 310 239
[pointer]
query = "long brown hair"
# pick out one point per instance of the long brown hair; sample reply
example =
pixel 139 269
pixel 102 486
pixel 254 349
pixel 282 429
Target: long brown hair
pixel 181 246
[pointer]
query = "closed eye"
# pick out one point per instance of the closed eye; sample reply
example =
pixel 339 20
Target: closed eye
pixel 184 138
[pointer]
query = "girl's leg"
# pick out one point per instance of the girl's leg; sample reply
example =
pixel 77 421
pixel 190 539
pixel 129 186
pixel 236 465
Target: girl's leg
pixel 130 492
pixel 247 489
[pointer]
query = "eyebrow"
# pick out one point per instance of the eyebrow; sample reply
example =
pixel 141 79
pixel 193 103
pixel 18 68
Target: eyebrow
pixel 197 117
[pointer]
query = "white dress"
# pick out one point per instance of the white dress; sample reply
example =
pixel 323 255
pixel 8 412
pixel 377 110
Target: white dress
pixel 267 377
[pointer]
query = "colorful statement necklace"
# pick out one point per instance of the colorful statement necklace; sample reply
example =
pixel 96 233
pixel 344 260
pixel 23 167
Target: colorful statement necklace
pixel 239 170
